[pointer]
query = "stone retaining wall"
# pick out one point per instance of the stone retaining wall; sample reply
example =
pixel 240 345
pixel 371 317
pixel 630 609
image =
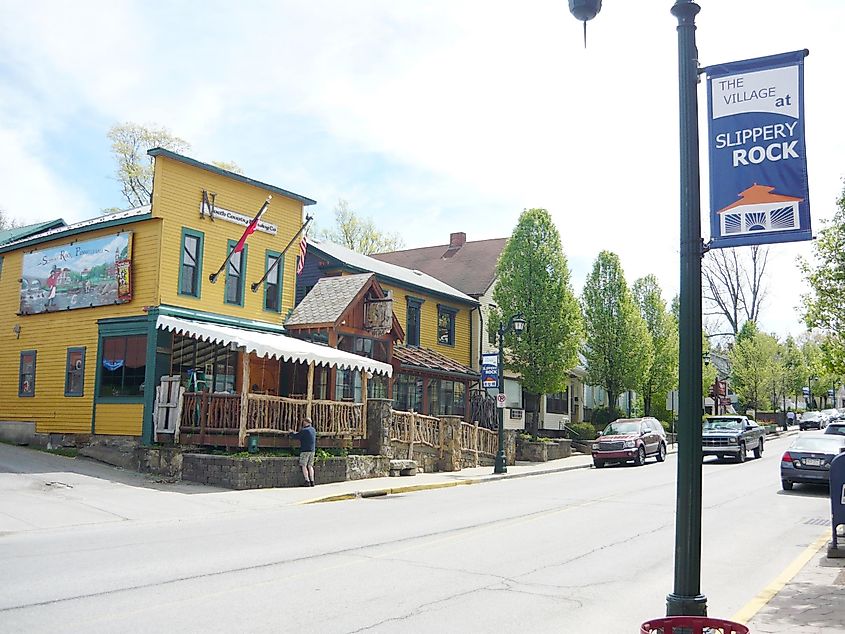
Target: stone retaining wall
pixel 262 472
pixel 533 451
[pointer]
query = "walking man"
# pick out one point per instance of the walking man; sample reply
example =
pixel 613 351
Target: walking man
pixel 307 437
pixel 790 419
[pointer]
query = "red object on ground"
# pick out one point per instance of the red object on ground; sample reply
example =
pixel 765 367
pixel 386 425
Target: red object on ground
pixel 692 625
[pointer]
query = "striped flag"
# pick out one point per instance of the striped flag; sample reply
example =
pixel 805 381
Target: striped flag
pixel 303 248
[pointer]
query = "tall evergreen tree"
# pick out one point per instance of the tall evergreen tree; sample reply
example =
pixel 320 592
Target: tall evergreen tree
pixel 618 347
pixel 533 280
pixel 661 375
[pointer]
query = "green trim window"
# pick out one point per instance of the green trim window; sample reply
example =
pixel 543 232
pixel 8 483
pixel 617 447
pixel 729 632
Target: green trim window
pixel 75 372
pixel 235 274
pixel 1 266
pixel 446 325
pixel 123 366
pixel 26 374
pixel 412 321
pixel 273 282
pixel 190 264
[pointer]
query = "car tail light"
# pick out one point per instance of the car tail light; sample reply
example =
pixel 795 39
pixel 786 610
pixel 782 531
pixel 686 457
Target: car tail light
pixel 786 457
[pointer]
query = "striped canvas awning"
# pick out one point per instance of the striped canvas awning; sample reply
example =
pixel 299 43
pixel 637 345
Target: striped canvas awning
pixel 273 346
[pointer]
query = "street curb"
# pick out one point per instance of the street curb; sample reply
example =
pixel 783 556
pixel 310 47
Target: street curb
pixel 750 609
pixel 411 488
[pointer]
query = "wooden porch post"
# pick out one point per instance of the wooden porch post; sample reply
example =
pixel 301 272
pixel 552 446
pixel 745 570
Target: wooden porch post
pixel 244 397
pixel 310 393
pixel 364 400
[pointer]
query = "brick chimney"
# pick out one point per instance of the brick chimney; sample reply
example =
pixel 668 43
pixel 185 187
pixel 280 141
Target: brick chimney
pixel 457 240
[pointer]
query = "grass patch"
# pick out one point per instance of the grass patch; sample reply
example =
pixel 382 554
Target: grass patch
pixel 67 452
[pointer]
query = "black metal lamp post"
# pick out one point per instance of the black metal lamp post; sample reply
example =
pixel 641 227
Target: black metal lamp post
pixel 517 323
pixel 686 598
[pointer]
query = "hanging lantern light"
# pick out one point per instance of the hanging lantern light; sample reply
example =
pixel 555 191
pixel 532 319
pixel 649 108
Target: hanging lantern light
pixel 584 10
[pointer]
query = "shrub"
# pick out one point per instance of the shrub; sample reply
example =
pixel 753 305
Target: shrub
pixel 667 427
pixel 582 431
pixel 604 415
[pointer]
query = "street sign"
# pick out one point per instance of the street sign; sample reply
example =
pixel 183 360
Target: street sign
pixel 501 399
pixel 806 391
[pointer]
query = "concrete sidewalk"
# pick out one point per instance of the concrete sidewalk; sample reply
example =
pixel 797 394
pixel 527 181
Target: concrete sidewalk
pixel 809 601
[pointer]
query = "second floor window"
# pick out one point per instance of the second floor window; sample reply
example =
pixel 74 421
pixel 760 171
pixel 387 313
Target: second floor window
pixel 235 276
pixel 273 283
pixel 190 269
pixel 446 325
pixel 412 329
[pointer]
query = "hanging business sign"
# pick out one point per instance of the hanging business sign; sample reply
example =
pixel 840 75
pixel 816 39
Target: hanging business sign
pixel 758 165
pixel 490 370
pixel 82 274
pixel 228 215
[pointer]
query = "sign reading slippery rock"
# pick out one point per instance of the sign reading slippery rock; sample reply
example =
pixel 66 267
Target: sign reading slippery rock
pixel 758 164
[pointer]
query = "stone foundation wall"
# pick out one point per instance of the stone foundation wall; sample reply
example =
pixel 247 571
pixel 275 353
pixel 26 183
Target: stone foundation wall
pixel 267 472
pixel 543 451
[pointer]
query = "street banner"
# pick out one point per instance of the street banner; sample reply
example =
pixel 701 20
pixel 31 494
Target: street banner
pixel 490 370
pixel 94 272
pixel 758 165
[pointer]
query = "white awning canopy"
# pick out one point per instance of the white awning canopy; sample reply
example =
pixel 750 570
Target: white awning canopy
pixel 273 346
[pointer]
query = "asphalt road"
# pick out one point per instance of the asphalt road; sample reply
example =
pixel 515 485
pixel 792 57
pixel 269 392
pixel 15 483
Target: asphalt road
pixel 581 551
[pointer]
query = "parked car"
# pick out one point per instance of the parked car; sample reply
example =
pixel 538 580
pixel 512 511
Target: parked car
pixel 812 420
pixel 831 414
pixel 837 428
pixel 630 440
pixel 731 436
pixel 808 459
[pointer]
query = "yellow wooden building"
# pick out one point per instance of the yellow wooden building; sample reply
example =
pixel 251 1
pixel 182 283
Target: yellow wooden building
pixel 94 314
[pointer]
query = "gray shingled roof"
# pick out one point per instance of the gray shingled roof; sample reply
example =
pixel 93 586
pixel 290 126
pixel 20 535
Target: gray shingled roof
pixel 388 272
pixel 328 299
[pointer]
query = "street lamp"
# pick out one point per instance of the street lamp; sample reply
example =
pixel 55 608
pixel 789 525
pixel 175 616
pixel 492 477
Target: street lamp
pixel 517 324
pixel 686 599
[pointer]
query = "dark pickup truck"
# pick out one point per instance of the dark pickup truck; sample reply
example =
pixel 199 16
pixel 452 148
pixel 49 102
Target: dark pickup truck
pixel 731 436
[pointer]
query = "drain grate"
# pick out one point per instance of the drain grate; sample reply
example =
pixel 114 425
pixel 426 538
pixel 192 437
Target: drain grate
pixel 817 521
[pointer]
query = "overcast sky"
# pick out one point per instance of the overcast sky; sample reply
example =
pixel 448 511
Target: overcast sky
pixel 431 117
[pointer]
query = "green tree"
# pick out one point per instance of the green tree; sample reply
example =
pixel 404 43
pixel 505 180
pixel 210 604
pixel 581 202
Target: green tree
pixel 661 375
pixel 751 360
pixel 129 145
pixel 618 347
pixel 825 306
pixel 359 234
pixel 533 280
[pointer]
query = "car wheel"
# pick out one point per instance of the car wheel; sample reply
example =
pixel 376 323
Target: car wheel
pixel 786 484
pixel 598 464
pixel 740 457
pixel 758 450
pixel 640 459
pixel 661 453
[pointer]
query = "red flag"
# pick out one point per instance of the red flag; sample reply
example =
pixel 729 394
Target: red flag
pixel 303 248
pixel 250 229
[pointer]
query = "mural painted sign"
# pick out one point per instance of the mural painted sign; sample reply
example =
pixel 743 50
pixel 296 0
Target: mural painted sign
pixel 758 163
pixel 78 275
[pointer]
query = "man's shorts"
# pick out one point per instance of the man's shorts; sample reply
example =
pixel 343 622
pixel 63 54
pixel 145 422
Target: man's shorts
pixel 306 459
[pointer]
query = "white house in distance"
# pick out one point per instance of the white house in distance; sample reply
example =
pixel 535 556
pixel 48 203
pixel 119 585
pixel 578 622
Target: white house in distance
pixel 759 210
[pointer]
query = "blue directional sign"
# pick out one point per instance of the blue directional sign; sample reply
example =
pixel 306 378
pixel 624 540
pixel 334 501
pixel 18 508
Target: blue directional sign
pixel 759 191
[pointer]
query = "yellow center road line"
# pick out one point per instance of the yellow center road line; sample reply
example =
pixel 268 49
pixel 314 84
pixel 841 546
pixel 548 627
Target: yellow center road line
pixel 768 593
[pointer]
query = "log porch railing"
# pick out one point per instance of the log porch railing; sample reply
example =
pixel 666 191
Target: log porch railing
pixel 479 439
pixel 208 413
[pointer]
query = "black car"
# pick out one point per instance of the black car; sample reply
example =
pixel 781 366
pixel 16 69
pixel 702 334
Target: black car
pixel 812 420
pixel 808 459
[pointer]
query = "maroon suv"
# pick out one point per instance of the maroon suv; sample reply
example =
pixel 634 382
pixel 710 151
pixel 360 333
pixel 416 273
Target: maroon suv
pixel 630 440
